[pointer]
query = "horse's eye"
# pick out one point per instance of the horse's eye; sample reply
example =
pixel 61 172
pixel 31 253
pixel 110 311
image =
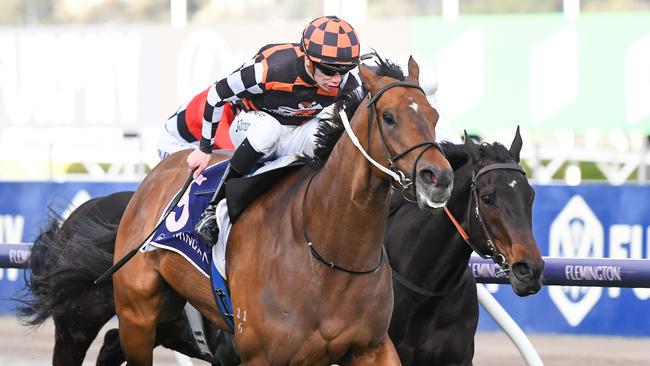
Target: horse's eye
pixel 388 118
pixel 487 199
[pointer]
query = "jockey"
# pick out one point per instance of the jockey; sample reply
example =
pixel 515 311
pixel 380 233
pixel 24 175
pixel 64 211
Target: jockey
pixel 281 90
pixel 183 128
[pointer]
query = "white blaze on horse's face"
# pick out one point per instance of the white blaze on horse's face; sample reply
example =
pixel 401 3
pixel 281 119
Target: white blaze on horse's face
pixel 513 183
pixel 414 106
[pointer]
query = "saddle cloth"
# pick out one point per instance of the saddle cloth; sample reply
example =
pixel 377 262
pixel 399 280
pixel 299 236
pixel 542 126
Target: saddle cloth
pixel 177 232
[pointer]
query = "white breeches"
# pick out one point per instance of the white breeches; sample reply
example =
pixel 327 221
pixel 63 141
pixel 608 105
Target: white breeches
pixel 170 140
pixel 264 132
pixel 268 136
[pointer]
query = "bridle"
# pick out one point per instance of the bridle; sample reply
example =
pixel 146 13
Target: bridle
pixel 397 175
pixel 494 252
pixel 399 178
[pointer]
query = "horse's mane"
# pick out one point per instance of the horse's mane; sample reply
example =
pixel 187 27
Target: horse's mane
pixel 457 156
pixel 331 130
pixel 495 151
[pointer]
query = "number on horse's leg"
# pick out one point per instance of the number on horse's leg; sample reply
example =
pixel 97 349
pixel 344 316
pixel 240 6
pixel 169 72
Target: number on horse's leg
pixel 382 355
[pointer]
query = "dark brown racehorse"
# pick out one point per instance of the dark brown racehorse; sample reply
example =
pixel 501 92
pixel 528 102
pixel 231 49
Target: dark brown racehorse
pixel 436 306
pixel 291 308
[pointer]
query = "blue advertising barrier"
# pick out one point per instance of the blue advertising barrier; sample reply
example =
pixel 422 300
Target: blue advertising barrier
pixel 588 222
pixel 585 272
pixel 15 255
pixel 24 212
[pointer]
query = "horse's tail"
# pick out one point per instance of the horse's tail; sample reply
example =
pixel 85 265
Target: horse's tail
pixel 33 310
pixel 67 258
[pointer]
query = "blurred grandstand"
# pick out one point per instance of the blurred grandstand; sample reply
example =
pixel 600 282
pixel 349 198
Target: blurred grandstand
pixel 86 85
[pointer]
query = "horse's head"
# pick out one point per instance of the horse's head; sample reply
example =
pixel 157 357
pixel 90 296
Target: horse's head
pixel 501 210
pixel 401 127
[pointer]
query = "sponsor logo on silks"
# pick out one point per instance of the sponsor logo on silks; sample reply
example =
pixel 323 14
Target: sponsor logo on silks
pixel 242 125
pixel 304 109
pixel 577 232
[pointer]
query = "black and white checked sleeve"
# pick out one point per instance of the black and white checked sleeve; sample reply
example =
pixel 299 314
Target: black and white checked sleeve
pixel 242 83
pixel 352 81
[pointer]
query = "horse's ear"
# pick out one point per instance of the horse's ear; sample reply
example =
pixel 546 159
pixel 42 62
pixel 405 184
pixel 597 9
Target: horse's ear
pixel 414 70
pixel 515 147
pixel 471 148
pixel 368 77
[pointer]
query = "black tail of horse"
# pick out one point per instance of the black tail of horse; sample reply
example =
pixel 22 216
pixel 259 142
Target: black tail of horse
pixel 66 258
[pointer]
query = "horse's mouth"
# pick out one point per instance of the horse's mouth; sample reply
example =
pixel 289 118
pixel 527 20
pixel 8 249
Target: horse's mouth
pixel 525 289
pixel 434 198
pixel 526 277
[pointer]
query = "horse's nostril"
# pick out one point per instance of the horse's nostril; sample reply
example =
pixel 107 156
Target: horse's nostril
pixel 428 176
pixel 522 270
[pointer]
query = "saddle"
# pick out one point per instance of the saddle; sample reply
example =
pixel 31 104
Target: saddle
pixel 241 192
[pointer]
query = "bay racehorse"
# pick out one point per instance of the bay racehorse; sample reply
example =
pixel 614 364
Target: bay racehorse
pixel 306 266
pixel 451 294
pixel 436 306
pixel 442 335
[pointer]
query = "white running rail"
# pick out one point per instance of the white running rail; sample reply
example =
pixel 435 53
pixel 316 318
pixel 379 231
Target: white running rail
pixel 509 326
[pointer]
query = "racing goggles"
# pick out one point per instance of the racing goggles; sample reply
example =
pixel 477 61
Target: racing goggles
pixel 331 69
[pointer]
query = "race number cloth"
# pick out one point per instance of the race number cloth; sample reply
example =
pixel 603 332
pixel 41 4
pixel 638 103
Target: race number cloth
pixel 177 233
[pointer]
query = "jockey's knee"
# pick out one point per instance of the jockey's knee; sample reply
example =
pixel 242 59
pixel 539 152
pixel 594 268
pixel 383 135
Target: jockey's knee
pixel 264 137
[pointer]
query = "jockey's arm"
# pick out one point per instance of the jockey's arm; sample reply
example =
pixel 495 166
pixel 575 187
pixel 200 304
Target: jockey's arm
pixel 242 83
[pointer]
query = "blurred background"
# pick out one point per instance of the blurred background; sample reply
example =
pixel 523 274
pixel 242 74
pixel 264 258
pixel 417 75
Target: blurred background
pixel 86 86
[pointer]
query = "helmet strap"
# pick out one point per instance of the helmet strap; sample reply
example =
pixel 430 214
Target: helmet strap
pixel 310 67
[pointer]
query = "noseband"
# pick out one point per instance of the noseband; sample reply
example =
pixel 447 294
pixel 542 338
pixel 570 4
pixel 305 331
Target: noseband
pixel 398 176
pixel 494 252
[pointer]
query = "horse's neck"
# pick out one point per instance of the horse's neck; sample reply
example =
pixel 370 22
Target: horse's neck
pixel 438 249
pixel 459 203
pixel 350 204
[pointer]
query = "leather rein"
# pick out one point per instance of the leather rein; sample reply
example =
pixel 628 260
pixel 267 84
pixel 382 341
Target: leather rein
pixel 494 252
pixel 397 175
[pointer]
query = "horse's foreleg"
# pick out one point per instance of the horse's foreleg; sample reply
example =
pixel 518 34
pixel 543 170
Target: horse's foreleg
pixel 384 354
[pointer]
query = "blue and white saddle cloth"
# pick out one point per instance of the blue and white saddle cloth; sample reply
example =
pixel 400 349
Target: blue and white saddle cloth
pixel 177 233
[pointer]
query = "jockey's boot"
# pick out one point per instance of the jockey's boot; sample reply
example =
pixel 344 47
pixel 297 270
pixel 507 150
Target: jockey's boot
pixel 242 161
